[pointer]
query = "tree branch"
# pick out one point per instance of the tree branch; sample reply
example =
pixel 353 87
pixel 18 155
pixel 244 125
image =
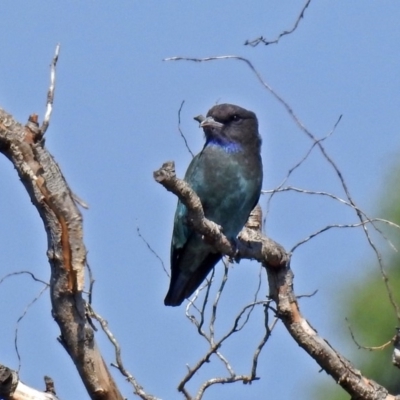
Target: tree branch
pixel 11 388
pixel 263 40
pixel 50 194
pixel 253 244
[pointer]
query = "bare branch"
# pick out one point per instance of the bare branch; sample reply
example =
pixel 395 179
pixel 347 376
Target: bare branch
pixel 298 164
pixel 50 194
pixel 252 244
pixel 180 130
pixel 215 346
pixel 370 348
pixel 11 388
pixel 268 331
pixel 20 319
pixel 210 337
pixel 23 273
pixel 50 93
pixel 326 228
pixel 152 250
pixel 119 364
pixel 214 381
pixel 344 373
pixel 360 215
pixel 261 39
pixel 280 278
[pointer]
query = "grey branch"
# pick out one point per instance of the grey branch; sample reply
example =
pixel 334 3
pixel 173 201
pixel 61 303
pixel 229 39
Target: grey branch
pixel 50 93
pixel 50 194
pixel 119 364
pixel 253 244
pixel 11 388
pixel 263 40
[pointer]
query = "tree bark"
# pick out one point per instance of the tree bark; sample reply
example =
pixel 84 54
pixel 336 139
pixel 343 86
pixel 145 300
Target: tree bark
pixel 25 147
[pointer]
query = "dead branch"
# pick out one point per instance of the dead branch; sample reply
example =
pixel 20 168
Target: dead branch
pixel 318 142
pixel 252 244
pixel 11 388
pixel 280 279
pixel 119 364
pixel 50 194
pixel 180 130
pixel 50 93
pixel 263 40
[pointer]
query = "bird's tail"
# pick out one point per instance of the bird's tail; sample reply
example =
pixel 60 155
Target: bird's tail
pixel 184 285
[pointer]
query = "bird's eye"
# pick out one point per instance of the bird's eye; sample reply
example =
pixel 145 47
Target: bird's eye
pixel 235 117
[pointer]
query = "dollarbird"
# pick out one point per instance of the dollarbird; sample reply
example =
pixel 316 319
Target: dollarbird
pixel 227 176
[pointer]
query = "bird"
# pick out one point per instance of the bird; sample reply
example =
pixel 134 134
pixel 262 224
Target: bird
pixel 227 176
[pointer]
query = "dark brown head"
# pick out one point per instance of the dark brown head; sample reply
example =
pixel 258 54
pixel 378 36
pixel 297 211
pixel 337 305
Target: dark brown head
pixel 230 124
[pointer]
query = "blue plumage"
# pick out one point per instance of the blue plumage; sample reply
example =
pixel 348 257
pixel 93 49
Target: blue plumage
pixel 227 177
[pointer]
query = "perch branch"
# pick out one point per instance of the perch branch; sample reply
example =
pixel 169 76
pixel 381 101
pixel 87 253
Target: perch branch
pixel 280 279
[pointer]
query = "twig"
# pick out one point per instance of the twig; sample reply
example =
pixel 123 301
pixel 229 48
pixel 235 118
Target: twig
pixel 301 296
pixel 23 273
pixel 119 364
pixel 268 332
pixel 152 250
pixel 91 282
pixel 261 39
pixel 281 291
pixel 180 130
pixel 370 348
pixel 213 348
pixel 299 163
pixel 50 93
pixel 215 304
pixel 21 317
pixel 214 381
pixel 301 126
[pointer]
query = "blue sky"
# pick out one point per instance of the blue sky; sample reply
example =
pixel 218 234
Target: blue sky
pixel 115 121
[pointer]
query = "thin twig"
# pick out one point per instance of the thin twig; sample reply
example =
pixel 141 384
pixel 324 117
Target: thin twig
pixel 207 286
pixel 301 296
pixel 213 348
pixel 237 378
pixel 216 301
pixel 370 348
pixel 152 250
pixel 302 127
pixel 298 164
pixel 180 130
pixel 21 317
pixel 326 228
pixel 91 282
pixel 280 279
pixel 119 364
pixel 50 93
pixel 23 273
pixel 268 332
pixel 261 39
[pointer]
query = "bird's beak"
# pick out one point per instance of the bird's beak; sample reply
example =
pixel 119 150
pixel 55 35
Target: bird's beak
pixel 210 122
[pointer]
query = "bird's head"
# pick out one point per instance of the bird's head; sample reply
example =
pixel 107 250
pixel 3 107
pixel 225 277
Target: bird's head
pixel 230 125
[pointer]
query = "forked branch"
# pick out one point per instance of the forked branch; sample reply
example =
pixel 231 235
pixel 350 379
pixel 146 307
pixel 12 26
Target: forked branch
pixel 253 244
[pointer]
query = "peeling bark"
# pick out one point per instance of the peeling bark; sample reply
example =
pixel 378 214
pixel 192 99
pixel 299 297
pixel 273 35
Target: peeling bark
pixel 25 147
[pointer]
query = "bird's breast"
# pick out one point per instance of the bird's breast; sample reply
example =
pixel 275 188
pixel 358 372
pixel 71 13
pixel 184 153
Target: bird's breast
pixel 228 185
